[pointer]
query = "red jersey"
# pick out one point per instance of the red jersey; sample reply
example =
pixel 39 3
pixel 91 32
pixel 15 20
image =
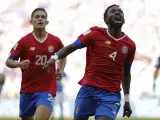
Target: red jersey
pixel 105 58
pixel 35 79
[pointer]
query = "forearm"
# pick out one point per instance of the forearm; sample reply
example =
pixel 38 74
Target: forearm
pixel 126 83
pixel 126 86
pixel 61 64
pixel 12 63
pixel 66 51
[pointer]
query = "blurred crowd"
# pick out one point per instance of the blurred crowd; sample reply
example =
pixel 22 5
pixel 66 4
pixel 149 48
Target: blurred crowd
pixel 70 18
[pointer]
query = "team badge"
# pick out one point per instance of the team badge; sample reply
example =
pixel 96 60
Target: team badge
pixel 125 49
pixel 50 49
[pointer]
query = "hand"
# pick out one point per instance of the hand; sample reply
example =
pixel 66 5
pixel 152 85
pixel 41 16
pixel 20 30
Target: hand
pixel 59 74
pixel 24 64
pixel 47 66
pixel 154 86
pixel 127 109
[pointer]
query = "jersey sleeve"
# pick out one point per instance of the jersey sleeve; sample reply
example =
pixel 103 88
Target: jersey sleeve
pixel 130 58
pixel 18 49
pixel 158 63
pixel 86 39
pixel 59 45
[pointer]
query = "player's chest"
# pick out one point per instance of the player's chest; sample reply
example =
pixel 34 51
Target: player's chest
pixel 112 48
pixel 36 48
pixel 109 44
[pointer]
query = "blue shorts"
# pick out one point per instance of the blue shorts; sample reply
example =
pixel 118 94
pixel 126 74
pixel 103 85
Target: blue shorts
pixel 96 102
pixel 29 102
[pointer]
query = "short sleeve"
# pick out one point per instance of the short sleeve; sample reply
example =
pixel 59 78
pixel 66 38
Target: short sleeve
pixel 158 63
pixel 18 48
pixel 131 55
pixel 87 38
pixel 59 45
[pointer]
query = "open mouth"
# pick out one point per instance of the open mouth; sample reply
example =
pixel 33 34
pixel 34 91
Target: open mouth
pixel 117 19
pixel 40 23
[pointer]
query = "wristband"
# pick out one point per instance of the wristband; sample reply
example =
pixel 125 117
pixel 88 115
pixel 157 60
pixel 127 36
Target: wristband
pixel 55 57
pixel 126 97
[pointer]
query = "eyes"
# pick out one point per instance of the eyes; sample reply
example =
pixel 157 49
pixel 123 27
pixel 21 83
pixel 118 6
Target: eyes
pixel 38 16
pixel 114 10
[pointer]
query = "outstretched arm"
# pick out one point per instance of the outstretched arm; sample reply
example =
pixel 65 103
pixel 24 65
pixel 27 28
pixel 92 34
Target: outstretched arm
pixel 62 53
pixel 84 40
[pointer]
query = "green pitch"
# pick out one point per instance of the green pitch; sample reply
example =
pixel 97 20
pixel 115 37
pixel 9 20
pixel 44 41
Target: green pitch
pixel 8 118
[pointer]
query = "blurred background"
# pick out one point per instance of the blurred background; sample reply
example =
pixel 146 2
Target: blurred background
pixel 68 19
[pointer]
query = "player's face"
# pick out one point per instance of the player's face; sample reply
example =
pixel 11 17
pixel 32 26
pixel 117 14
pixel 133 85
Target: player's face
pixel 39 19
pixel 115 17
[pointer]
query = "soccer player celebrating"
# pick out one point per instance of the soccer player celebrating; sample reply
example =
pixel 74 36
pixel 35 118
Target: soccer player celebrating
pixel 38 87
pixel 109 57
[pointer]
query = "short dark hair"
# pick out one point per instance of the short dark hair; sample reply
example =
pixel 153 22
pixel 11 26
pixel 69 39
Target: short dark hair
pixel 38 9
pixel 106 11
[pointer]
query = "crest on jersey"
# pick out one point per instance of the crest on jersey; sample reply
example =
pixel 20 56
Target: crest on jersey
pixel 50 49
pixel 125 49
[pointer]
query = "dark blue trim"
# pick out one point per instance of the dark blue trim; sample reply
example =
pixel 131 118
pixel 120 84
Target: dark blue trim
pixel 13 57
pixel 78 44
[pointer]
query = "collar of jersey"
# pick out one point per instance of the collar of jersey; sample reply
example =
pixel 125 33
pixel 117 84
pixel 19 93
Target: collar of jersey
pixel 41 41
pixel 116 38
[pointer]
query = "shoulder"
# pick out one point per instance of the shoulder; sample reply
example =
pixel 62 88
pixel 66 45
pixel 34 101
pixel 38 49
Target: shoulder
pixel 94 29
pixel 54 37
pixel 98 29
pixel 130 42
pixel 26 38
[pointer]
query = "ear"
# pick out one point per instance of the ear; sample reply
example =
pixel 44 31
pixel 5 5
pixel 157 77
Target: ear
pixel 31 22
pixel 47 22
pixel 124 21
pixel 106 21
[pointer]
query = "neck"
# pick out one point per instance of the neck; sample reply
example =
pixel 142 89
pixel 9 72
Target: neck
pixel 115 32
pixel 39 33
